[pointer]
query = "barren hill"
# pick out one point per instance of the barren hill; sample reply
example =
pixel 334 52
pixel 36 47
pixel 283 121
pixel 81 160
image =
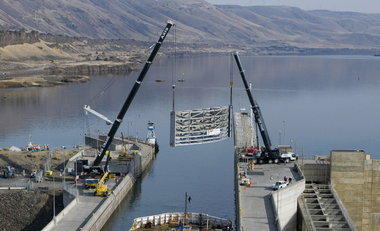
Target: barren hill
pixel 197 22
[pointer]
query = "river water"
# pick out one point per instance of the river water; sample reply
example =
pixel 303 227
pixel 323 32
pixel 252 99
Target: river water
pixel 315 103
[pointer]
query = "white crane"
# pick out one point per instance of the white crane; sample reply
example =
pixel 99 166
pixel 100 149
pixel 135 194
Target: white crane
pixel 97 114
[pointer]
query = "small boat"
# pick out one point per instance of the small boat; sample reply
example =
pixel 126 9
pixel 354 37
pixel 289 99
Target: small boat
pixel 160 80
pixel 181 221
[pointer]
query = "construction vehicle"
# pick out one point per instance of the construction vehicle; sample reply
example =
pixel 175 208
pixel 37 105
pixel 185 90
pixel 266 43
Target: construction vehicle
pixel 90 183
pixel 287 153
pixel 245 182
pixel 279 185
pixel 101 188
pixel 9 172
pixel 266 154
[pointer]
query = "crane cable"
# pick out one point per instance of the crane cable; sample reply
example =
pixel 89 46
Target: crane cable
pixel 103 90
pixel 108 85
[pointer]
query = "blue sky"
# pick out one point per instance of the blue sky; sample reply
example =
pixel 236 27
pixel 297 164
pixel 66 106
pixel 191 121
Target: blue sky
pixel 366 6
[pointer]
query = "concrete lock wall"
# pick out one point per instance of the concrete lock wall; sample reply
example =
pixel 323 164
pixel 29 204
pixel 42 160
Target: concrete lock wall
pixel 67 198
pixel 285 205
pixel 104 212
pixel 304 221
pixel 96 220
pixel 344 210
pixel 317 173
pixel 137 165
pixel 96 143
pixel 356 179
pixel 66 210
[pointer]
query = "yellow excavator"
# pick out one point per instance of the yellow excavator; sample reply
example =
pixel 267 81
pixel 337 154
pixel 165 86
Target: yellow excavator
pixel 101 189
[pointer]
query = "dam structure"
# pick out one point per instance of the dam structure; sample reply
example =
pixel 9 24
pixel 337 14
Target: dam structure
pixel 310 201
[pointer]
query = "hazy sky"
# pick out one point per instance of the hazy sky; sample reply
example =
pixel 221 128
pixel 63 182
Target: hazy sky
pixel 367 6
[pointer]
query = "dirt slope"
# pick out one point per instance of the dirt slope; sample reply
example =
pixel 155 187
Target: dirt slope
pixel 197 20
pixel 27 210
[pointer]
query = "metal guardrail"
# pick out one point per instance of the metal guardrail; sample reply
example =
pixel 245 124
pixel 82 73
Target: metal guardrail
pixel 180 217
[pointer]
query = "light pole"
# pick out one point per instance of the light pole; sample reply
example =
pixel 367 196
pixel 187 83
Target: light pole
pixel 76 177
pixel 283 129
pixel 293 141
pixel 186 204
pixel 64 170
pixel 302 155
pixel 53 198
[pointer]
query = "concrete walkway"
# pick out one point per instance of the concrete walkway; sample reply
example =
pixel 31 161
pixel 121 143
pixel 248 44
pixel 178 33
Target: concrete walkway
pixel 77 215
pixel 86 205
pixel 256 209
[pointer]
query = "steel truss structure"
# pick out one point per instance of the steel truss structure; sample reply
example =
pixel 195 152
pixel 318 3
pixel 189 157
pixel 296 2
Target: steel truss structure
pixel 199 126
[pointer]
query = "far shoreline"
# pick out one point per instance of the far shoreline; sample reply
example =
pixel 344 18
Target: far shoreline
pixel 80 72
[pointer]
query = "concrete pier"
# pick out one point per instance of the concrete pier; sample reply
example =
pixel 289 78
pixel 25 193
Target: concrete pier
pixel 257 205
pixel 89 212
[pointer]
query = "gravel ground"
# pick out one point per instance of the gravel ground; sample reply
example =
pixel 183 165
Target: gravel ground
pixel 27 210
pixel 32 161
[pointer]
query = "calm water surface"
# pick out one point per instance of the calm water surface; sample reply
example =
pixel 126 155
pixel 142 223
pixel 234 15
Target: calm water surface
pixel 326 102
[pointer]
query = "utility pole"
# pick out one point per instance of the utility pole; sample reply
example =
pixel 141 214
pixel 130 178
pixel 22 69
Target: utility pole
pixel 53 198
pixel 64 171
pixel 186 196
pixel 186 204
pixel 283 132
pixel 302 155
pixel 76 178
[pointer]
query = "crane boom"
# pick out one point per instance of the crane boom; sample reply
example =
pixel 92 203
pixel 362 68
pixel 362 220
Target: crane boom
pixel 255 108
pixel 95 113
pixel 131 96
